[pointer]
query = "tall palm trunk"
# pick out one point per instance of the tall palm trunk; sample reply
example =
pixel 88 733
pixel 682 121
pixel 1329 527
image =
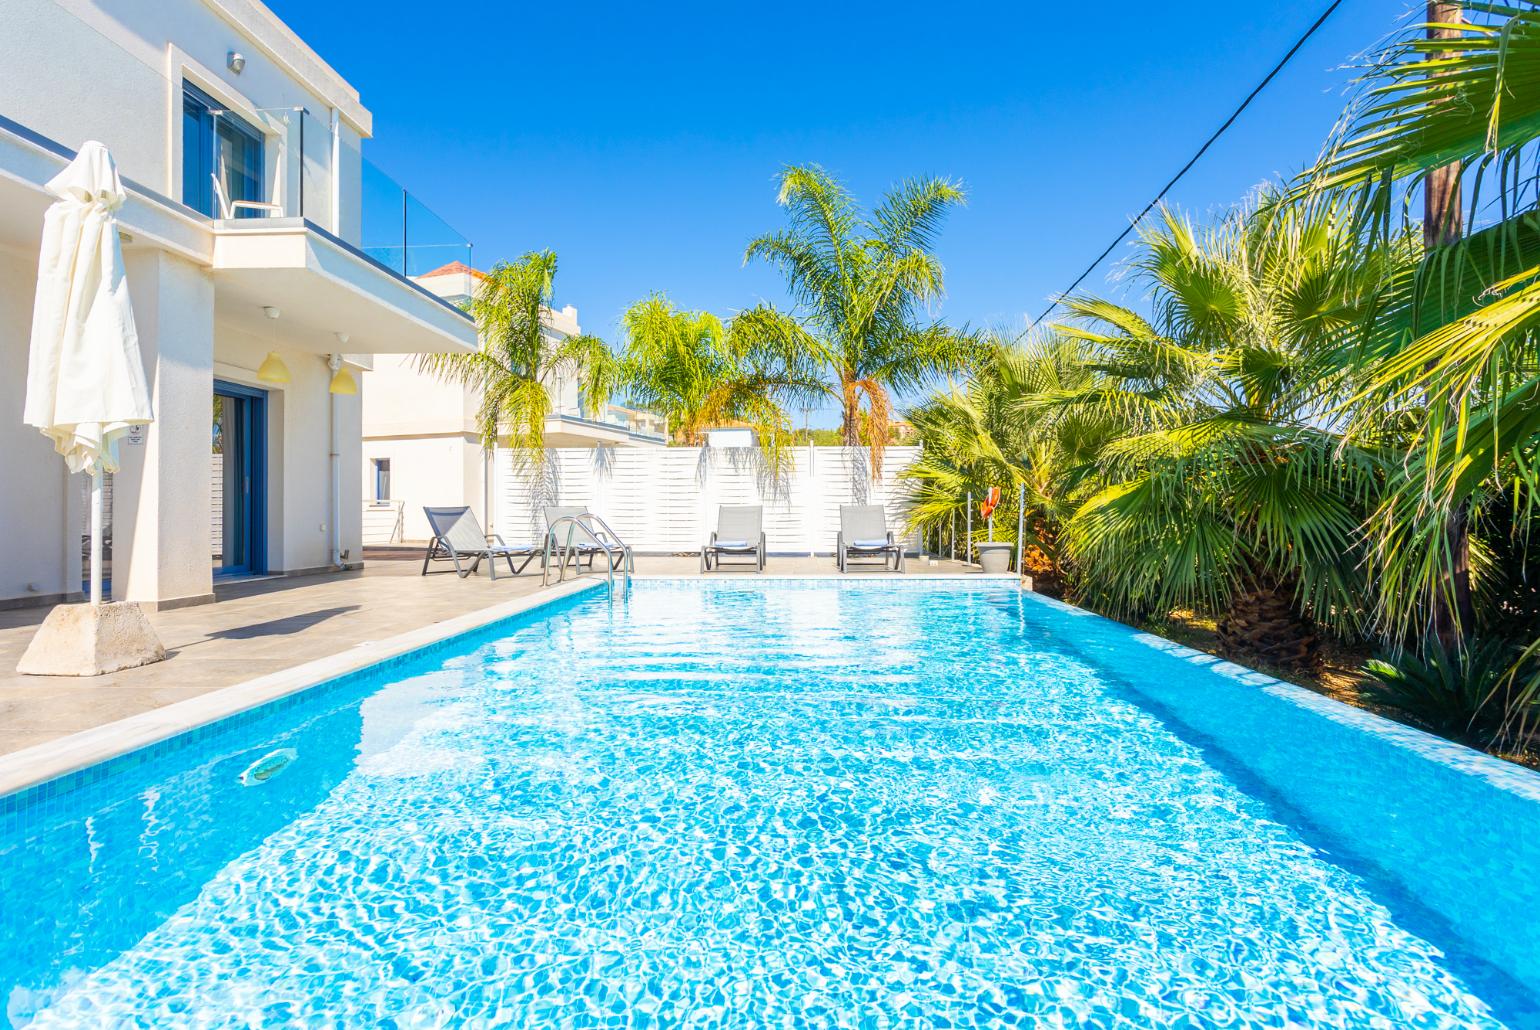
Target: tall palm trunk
pixel 1264 623
pixel 1443 221
pixel 1453 605
pixel 850 427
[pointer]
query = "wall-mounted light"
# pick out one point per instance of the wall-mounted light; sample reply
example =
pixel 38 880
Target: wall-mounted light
pixel 272 369
pixel 235 61
pixel 343 382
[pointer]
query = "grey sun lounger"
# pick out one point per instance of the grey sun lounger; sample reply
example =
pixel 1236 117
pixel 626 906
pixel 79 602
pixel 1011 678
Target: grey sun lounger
pixel 457 538
pixel 582 545
pixel 740 533
pixel 864 533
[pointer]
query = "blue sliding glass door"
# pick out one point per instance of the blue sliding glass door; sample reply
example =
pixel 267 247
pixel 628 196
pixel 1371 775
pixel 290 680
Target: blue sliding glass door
pixel 239 480
pixel 216 142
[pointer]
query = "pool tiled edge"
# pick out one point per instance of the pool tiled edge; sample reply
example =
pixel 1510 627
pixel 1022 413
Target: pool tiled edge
pixel 992 578
pixel 1502 774
pixel 58 764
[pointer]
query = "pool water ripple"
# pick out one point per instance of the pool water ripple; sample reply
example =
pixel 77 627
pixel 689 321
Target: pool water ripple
pixel 772 806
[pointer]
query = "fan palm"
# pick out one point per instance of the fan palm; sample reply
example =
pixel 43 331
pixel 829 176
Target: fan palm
pixel 518 359
pixel 978 436
pixel 701 372
pixel 1458 346
pixel 863 285
pixel 1229 491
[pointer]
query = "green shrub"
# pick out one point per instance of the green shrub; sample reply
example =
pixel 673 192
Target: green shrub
pixel 1466 695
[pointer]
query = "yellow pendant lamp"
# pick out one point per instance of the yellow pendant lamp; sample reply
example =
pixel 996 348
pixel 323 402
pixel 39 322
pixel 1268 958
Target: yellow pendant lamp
pixel 344 383
pixel 272 369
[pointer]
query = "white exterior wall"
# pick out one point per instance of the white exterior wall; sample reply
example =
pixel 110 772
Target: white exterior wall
pixel 426 426
pixel 566 398
pixel 437 471
pixel 72 70
pixel 36 562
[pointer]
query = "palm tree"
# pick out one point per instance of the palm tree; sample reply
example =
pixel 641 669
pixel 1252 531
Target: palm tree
pixel 517 361
pixel 980 436
pixel 862 285
pixel 1457 348
pixel 701 372
pixel 1230 491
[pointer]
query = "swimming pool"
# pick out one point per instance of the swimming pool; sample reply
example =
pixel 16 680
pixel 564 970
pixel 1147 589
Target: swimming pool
pixel 773 803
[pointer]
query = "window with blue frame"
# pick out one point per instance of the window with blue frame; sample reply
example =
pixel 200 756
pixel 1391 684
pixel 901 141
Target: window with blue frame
pixel 382 479
pixel 217 142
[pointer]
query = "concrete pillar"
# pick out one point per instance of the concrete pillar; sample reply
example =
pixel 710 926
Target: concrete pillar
pixel 161 495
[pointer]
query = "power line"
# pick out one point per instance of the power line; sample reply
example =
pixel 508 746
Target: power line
pixel 1191 161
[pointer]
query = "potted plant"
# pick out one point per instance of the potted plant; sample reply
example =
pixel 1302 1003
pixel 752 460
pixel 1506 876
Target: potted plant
pixel 994 555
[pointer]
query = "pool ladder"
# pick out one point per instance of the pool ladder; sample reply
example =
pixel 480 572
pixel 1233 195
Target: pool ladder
pixel 586 531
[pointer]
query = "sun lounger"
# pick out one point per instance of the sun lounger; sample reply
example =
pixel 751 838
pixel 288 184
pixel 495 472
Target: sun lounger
pixel 740 533
pixel 864 533
pixel 457 538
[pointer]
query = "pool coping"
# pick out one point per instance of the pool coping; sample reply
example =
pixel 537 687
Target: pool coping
pixel 748 576
pixel 53 759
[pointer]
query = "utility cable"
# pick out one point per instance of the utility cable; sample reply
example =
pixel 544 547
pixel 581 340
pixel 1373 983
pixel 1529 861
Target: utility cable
pixel 1191 161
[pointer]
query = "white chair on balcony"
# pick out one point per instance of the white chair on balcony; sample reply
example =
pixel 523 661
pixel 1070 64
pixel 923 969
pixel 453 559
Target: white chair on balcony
pixel 231 209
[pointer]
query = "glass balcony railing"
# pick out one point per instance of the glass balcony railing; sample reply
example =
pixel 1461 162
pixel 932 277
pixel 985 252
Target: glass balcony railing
pixel 401 232
pixel 283 167
pixel 280 166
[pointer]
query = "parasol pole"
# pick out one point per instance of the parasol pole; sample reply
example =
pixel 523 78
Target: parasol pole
pixel 96 532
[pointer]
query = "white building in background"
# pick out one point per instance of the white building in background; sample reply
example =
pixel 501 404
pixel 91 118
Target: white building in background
pixel 421 444
pixel 256 273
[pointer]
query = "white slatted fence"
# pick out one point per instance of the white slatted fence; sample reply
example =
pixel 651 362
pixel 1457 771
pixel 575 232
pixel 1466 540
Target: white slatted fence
pixel 663 500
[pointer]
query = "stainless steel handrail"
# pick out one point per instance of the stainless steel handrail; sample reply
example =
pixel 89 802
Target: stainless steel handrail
pixel 605 540
pixel 625 548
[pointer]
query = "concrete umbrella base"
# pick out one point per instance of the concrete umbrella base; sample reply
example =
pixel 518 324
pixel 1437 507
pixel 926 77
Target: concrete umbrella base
pixel 91 640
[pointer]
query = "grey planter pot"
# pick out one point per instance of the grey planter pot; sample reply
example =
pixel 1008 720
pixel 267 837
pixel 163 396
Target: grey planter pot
pixel 995 557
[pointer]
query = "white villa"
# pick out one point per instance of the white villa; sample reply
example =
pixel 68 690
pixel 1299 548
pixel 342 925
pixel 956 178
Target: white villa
pixel 421 444
pixel 263 288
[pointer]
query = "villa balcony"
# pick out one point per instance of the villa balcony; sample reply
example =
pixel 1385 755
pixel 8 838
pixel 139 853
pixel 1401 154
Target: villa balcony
pixel 290 247
pixel 571 428
pixel 325 285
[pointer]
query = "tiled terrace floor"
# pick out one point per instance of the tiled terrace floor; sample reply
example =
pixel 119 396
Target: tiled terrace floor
pixel 269 625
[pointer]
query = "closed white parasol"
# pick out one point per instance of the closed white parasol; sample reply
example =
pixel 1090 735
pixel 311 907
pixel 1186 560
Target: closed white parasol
pixel 85 378
pixel 85 389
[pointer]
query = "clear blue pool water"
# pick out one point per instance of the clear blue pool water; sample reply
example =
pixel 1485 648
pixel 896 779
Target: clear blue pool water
pixel 745 804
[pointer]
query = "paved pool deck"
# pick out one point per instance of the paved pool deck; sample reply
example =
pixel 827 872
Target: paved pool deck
pixel 260 628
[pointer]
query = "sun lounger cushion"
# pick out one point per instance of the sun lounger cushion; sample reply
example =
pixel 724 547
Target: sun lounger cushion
pixel 869 544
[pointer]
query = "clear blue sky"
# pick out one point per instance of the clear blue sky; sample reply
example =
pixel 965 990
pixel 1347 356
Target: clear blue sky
pixel 641 141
